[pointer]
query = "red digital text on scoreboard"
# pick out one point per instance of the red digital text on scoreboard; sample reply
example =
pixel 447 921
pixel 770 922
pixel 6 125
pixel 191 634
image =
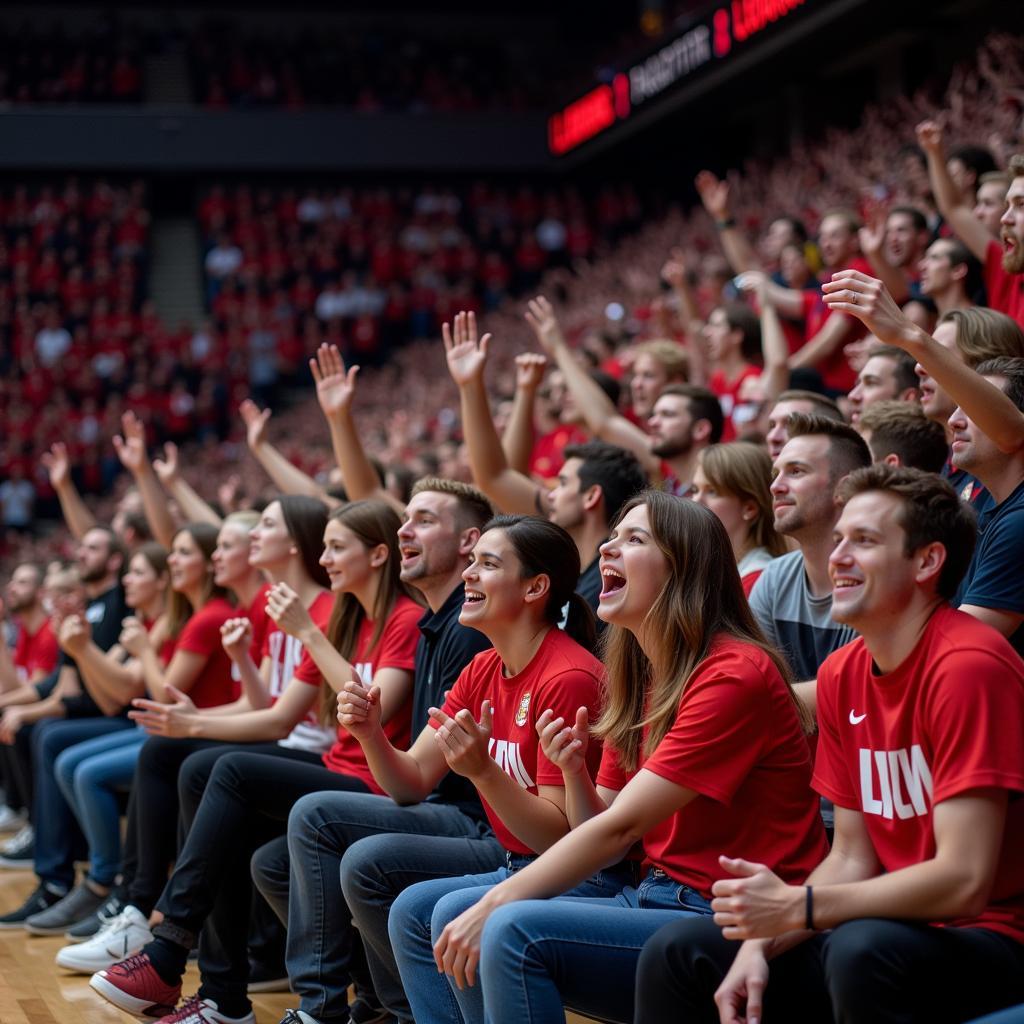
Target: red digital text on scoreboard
pixel 712 39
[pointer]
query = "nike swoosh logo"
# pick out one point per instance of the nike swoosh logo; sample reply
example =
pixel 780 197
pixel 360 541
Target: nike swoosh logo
pixel 857 719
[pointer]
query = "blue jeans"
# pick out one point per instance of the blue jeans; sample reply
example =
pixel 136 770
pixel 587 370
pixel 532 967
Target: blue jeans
pixel 59 841
pixel 1013 1015
pixel 539 956
pixel 419 915
pixel 89 775
pixel 302 883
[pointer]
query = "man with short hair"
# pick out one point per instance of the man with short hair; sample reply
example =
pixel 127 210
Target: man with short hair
pixel 810 403
pixel 991 200
pixel 993 588
pixel 656 364
pixel 899 434
pixel 792 598
pixel 300 874
pixel 888 375
pixel 917 913
pixel 948 272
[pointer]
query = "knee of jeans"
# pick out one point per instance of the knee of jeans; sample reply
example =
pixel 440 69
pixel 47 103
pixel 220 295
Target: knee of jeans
pixel 268 867
pixel 64 770
pixel 407 917
pixel 449 906
pixel 503 939
pixel 358 870
pixel 306 814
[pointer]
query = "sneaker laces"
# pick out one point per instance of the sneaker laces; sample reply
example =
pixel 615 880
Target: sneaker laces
pixel 112 925
pixel 136 964
pixel 189 1008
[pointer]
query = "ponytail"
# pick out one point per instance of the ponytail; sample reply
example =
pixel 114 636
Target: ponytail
pixel 579 623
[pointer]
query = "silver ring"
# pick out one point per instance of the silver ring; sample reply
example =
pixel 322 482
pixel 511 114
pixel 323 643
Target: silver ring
pixel 853 298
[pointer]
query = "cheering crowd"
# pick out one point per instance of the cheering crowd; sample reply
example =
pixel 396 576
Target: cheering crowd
pixel 687 686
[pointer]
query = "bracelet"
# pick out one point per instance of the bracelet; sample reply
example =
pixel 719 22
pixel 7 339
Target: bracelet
pixel 724 225
pixel 809 904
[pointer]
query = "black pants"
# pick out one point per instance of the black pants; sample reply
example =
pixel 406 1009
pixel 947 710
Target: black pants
pixel 18 769
pixel 153 813
pixel 871 971
pixel 245 805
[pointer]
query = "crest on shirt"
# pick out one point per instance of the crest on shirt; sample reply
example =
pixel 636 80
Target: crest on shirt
pixel 524 709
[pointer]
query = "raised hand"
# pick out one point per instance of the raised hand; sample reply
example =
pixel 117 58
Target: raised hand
pixel 134 638
pixel 540 315
pixel 236 637
pixel 872 235
pixel 466 356
pixel 565 745
pixel 229 493
pixel 755 282
pixel 73 634
pixel 929 136
pixel 130 444
pixel 359 709
pixel 463 741
pixel 57 464
pixel 867 299
pixel 167 467
pixel 255 421
pixel 530 370
pixel 673 270
pixel 714 194
pixel 286 609
pixel 335 387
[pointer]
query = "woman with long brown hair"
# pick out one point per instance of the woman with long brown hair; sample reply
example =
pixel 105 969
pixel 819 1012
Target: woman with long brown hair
pixel 704 752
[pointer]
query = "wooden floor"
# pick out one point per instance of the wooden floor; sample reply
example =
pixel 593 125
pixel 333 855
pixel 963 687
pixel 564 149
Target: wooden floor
pixel 33 990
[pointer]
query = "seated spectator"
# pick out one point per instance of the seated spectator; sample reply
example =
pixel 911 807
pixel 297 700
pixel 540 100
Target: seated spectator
pixel 888 375
pixel 733 338
pixel 935 878
pixel 950 276
pixel 808 403
pixel 733 480
pixel 900 434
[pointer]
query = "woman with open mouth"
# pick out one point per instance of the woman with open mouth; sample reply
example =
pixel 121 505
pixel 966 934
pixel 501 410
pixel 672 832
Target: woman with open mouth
pixel 704 754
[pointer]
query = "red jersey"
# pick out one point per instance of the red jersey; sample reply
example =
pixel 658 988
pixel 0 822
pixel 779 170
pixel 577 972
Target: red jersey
pixel 35 652
pixel 948 720
pixel 201 635
pixel 395 649
pixel 286 652
pixel 737 743
pixel 256 613
pixel 1005 290
pixel 728 393
pixel 561 676
pixel 546 458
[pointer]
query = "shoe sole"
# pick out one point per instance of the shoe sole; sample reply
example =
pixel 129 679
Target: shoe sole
pixel 37 929
pixel 140 1008
pixel 17 865
pixel 10 926
pixel 70 959
pixel 270 985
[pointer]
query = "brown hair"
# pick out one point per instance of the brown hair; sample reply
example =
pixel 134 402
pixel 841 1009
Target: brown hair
pixel 847 450
pixel 744 470
pixel 823 405
pixel 931 512
pixel 702 599
pixel 373 523
pixel 901 428
pixel 179 609
pixel 669 353
pixel 983 333
pixel 473 507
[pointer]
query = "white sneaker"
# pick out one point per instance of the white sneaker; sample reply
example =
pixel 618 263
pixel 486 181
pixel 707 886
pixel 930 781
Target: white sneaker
pixel 203 1011
pixel 118 939
pixel 11 821
pixel 25 835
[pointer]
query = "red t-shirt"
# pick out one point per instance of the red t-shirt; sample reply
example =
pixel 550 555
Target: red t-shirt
pixel 672 483
pixel 201 635
pixel 35 651
pixel 728 392
pixel 950 719
pixel 395 649
pixel 1005 291
pixel 256 613
pixel 561 676
pixel 546 458
pixel 737 743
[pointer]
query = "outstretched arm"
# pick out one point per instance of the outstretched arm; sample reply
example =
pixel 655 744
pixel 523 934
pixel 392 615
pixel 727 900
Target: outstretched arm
pixel 76 514
pixel 287 476
pixel 131 450
pixel 714 194
pixel 988 407
pixel 517 441
pixel 192 506
pixel 509 489
pixel 949 198
pixel 774 348
pixel 598 410
pixel 335 389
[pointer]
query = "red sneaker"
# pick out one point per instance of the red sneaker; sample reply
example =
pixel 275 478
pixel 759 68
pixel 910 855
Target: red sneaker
pixel 196 1010
pixel 134 986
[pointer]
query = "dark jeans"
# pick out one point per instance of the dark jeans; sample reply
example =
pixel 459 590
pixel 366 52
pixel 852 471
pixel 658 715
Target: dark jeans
pixel 871 971
pixel 245 805
pixel 59 841
pixel 321 829
pixel 155 833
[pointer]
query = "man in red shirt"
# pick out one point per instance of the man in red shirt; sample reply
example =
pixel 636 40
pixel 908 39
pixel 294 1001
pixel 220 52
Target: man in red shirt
pixel 917 913
pixel 35 652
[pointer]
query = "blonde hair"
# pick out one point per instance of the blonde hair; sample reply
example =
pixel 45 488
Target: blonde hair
pixel 669 353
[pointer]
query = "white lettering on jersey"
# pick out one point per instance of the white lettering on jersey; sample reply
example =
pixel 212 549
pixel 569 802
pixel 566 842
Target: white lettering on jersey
pixel 285 653
pixel 510 760
pixel 364 672
pixel 901 775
